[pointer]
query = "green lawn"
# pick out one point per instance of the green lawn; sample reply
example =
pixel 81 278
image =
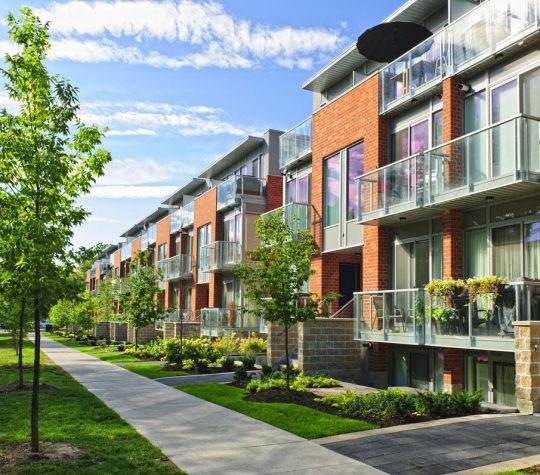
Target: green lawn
pixel 152 371
pixel 73 415
pixel 106 353
pixel 299 420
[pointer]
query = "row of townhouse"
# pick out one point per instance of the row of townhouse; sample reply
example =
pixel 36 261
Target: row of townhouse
pixel 424 168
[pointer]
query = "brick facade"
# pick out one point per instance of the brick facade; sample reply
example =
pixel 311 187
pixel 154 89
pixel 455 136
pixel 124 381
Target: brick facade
pixel 118 331
pixel 189 330
pixel 145 334
pixel 101 330
pixel 454 366
pixel 274 192
pixel 526 345
pixel 276 343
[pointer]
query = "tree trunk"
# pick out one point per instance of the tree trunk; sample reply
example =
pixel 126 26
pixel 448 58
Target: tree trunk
pixel 287 372
pixel 35 385
pixel 181 335
pixel 136 337
pixel 20 348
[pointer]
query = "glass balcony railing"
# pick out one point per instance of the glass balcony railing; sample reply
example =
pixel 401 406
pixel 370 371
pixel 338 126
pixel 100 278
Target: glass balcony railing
pixel 479 34
pixel 230 191
pixel 297 215
pixel 152 236
pixel 412 317
pixel 220 256
pixel 125 251
pixel 217 321
pixel 389 315
pixel 182 218
pixel 144 241
pixel 500 155
pixel 295 144
pixel 176 268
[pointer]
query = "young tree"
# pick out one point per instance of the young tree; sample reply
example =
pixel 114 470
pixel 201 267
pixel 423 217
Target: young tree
pixel 105 299
pixel 85 312
pixel 62 313
pixel 274 279
pixel 48 158
pixel 139 300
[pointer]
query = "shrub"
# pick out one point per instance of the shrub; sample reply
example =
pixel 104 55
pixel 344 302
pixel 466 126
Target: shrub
pixel 266 370
pixel 396 407
pixel 241 377
pixel 222 345
pixel 248 361
pixel 253 345
pixel 227 364
pixel 154 349
pixel 172 351
pixel 188 365
pixel 121 348
pixel 299 383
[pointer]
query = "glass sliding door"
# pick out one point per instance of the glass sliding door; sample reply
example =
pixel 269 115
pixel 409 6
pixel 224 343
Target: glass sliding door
pixel 475 118
pixel 532 250
pixel 506 242
pixel 504 105
pixel 478 375
pixel 504 383
pixel 476 253
pixel 437 258
pixel 531 106
pixel 332 190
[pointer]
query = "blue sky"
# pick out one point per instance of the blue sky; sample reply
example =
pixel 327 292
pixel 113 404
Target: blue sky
pixel 180 82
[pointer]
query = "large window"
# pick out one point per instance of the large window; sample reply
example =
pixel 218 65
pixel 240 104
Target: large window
pixel 355 168
pixel 476 264
pixel 203 239
pixel 298 190
pixel 410 141
pixel 232 228
pixel 162 252
pixel 332 188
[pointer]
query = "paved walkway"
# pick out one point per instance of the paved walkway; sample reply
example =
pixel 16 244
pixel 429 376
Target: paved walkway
pixel 198 436
pixel 445 446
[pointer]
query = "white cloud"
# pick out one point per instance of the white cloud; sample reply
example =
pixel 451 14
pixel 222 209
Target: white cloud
pixel 132 191
pixel 144 118
pixel 101 219
pixel 131 132
pixel 140 172
pixel 216 37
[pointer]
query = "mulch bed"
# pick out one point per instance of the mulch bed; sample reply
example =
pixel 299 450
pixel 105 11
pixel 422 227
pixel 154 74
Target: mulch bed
pixel 175 367
pixel 535 470
pixel 16 366
pixel 14 387
pixel 295 397
pixel 18 455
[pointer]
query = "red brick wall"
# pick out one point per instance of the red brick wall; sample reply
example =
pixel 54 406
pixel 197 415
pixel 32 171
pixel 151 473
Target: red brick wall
pixel 454 365
pixel 205 213
pixel 116 259
pixel 452 244
pixel 163 236
pixel 135 247
pixel 274 192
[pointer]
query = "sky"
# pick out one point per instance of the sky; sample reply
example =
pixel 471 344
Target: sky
pixel 179 83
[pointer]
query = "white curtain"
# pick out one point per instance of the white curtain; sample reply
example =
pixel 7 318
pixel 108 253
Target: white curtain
pixel 532 250
pixel 476 253
pixel 506 252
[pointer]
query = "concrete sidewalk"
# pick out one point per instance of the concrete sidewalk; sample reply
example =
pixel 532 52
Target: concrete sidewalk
pixel 198 436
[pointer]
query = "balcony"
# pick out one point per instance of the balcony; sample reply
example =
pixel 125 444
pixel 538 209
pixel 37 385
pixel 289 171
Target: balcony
pixel 465 44
pixel 500 161
pixel 297 215
pixel 220 256
pixel 232 190
pixel 125 252
pixel 407 317
pixel 176 268
pixel 218 321
pixel 295 145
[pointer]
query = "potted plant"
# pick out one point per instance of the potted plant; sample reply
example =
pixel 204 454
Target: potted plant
pixel 445 298
pixel 486 288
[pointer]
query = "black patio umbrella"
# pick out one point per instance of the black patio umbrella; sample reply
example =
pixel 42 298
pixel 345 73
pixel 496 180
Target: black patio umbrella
pixel 385 42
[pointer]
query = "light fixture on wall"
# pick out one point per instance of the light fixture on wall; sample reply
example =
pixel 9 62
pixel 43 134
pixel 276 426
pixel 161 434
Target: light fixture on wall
pixel 463 87
pixel 490 199
pixel 403 218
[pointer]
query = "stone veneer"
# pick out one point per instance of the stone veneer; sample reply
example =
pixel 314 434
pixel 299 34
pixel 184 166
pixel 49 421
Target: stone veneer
pixel 101 330
pixel 326 344
pixel 276 343
pixel 118 331
pixel 189 330
pixel 527 353
pixel 145 334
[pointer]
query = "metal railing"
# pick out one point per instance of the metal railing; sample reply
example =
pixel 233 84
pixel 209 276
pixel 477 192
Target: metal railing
pixel 479 34
pixel 495 156
pixel 230 190
pixel 125 251
pixel 220 256
pixel 413 317
pixel 295 144
pixel 297 215
pixel 176 267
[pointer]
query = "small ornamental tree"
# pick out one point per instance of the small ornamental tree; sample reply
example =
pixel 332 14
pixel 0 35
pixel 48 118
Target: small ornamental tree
pixel 139 300
pixel 274 279
pixel 85 312
pixel 48 159
pixel 105 300
pixel 62 314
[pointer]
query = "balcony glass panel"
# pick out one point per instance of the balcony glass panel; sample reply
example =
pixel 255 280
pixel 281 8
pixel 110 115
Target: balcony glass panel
pixel 176 220
pixel 297 215
pixel 229 191
pixel 409 73
pixel 217 321
pixel 176 267
pixel 393 315
pixel 220 256
pixel 125 251
pixel 473 37
pixel 144 241
pixel 151 234
pixel 295 144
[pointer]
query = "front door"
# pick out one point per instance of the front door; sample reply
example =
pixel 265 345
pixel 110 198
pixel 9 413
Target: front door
pixel 349 282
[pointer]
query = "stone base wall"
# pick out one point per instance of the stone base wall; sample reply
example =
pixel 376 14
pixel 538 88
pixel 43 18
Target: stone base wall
pixel 527 352
pixel 145 334
pixel 118 331
pixel 189 330
pixel 326 344
pixel 276 343
pixel 101 330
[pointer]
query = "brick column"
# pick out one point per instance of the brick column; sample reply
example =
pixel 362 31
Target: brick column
pixel 276 343
pixel 527 352
pixel 454 361
pixel 274 192
pixel 452 244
